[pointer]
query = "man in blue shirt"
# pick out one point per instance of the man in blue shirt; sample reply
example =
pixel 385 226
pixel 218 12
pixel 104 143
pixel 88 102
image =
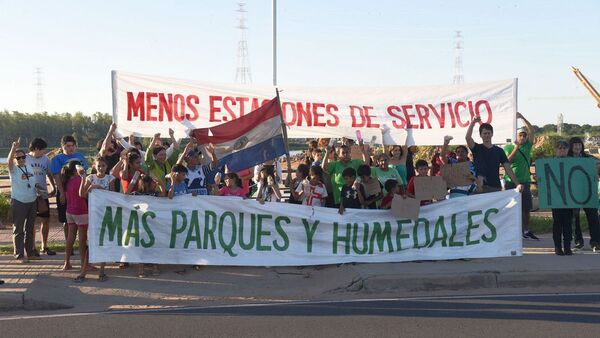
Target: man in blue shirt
pixel 69 153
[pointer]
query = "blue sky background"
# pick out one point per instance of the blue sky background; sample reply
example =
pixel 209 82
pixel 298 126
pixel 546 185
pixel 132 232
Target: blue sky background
pixel 370 43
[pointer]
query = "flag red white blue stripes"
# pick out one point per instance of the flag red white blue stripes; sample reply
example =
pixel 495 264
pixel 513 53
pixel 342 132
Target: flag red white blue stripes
pixel 249 140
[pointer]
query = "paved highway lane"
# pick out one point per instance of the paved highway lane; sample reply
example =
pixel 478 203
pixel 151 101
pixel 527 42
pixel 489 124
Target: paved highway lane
pixel 530 315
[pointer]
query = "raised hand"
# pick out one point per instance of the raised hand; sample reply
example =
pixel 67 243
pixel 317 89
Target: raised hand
pixel 16 144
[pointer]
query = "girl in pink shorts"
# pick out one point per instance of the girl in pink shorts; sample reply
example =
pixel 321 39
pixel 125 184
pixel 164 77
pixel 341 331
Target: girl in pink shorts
pixel 77 216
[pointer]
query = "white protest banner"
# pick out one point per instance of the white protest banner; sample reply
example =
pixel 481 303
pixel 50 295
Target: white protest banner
pixel 145 105
pixel 215 230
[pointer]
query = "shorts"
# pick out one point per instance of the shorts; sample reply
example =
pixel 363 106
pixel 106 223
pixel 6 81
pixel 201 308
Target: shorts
pixel 61 208
pixel 45 214
pixel 526 197
pixel 80 220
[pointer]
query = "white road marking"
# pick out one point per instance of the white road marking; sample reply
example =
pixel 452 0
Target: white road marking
pixel 302 302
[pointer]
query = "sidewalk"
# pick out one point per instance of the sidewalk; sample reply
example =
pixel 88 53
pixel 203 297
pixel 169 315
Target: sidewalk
pixel 42 285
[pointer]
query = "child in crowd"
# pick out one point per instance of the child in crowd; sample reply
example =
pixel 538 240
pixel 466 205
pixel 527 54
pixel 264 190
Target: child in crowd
pixel 393 188
pixel 99 180
pixel 176 185
pixel 461 155
pixel 77 216
pixel 149 186
pixel 128 170
pixel 422 169
pixel 317 157
pixel 233 186
pixel 562 218
pixel 301 174
pixel 371 186
pixel 267 188
pixel 312 191
pixel 353 193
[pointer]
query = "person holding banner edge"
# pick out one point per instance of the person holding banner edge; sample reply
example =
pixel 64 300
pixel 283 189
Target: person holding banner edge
pixel 519 155
pixel 487 157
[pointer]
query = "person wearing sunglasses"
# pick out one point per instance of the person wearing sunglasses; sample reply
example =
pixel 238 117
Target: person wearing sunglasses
pixel 23 204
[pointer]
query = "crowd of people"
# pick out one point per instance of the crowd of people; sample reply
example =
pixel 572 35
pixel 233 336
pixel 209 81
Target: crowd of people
pixel 328 176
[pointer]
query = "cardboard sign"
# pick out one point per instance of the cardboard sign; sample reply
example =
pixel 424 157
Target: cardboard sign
pixel 405 207
pixel 457 174
pixel 567 182
pixel 356 152
pixel 430 187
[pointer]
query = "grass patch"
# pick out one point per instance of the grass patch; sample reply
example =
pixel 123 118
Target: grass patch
pixel 543 225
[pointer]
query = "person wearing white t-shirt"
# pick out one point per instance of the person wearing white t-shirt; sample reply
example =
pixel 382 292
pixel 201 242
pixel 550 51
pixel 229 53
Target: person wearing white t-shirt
pixel 312 191
pixel 40 164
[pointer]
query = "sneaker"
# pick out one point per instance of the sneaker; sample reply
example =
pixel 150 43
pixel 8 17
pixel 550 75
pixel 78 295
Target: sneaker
pixel 578 245
pixel 525 236
pixel 596 249
pixel 530 235
pixel 36 253
pixel 48 252
pixel 568 252
pixel 559 252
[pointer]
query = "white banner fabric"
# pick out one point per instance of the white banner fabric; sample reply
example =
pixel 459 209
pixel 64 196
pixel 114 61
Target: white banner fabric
pixel 213 230
pixel 145 105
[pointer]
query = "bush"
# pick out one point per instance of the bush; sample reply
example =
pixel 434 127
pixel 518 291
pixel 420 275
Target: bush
pixel 4 207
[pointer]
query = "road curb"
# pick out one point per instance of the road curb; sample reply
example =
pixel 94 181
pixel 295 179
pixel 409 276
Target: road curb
pixel 20 301
pixel 11 301
pixel 493 280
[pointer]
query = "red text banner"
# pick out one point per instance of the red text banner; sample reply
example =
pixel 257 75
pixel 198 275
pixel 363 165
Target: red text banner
pixel 145 105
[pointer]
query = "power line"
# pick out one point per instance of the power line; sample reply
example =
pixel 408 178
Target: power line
pixel 242 74
pixel 39 96
pixel 458 65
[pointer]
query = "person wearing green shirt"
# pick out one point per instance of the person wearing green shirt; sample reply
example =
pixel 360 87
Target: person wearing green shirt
pixel 335 168
pixel 383 171
pixel 156 157
pixel 519 155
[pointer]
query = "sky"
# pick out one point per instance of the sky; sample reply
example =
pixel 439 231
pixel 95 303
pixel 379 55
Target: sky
pixel 320 43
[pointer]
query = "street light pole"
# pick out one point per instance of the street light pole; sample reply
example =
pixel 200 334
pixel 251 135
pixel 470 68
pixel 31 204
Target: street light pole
pixel 274 42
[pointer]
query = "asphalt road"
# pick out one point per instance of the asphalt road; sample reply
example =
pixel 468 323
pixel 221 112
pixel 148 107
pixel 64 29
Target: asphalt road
pixel 529 315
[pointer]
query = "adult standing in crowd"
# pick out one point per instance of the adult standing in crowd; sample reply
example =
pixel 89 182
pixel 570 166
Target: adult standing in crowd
pixel 519 155
pixel 198 173
pixel 22 203
pixel 487 158
pixel 69 152
pixel 40 164
pixel 159 165
pixel 336 168
pixel 576 149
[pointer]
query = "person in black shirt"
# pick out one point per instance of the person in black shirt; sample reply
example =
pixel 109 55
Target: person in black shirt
pixel 487 157
pixel 352 192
